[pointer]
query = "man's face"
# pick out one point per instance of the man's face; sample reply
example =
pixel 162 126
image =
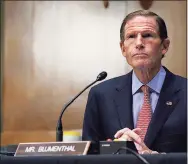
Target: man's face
pixel 142 45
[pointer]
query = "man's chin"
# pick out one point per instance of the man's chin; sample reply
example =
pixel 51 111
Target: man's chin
pixel 142 66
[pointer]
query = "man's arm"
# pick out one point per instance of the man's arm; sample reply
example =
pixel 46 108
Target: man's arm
pixel 91 123
pixel 133 135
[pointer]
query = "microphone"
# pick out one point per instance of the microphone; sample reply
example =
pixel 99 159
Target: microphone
pixel 59 128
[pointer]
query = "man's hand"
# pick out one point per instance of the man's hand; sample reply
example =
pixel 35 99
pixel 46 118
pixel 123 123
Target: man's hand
pixel 133 135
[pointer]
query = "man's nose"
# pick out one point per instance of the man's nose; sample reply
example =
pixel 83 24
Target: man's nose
pixel 139 42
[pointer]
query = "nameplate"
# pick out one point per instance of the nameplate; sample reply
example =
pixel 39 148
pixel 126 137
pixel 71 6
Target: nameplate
pixel 53 148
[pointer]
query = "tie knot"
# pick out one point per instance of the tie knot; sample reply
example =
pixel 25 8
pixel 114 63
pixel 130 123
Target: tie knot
pixel 145 89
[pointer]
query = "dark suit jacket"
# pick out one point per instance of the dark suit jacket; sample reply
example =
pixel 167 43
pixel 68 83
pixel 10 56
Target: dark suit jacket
pixel 109 109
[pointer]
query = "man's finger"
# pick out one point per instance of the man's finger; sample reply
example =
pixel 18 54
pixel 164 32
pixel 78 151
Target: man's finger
pixel 137 131
pixel 109 140
pixel 124 137
pixel 120 132
pixel 135 137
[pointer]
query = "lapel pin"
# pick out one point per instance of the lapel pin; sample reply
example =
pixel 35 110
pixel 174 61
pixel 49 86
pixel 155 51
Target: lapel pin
pixel 169 103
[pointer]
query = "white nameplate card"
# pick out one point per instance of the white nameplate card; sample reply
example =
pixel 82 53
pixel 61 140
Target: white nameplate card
pixel 53 148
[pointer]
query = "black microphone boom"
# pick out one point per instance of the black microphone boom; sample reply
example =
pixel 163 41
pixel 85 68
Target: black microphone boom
pixel 59 128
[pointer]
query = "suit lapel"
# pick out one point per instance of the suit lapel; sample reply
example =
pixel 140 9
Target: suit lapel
pixel 166 103
pixel 123 101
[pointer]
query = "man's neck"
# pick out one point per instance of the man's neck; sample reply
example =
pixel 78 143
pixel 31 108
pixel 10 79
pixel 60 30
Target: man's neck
pixel 147 74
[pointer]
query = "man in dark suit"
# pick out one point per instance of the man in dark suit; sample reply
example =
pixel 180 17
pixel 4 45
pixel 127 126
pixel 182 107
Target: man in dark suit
pixel 147 105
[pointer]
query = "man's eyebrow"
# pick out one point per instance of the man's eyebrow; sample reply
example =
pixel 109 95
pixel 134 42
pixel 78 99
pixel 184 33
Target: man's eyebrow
pixel 134 32
pixel 149 31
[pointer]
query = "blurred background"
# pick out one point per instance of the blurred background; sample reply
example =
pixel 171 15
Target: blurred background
pixel 53 49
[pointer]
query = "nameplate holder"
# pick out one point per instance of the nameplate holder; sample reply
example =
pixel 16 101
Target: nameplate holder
pixel 53 148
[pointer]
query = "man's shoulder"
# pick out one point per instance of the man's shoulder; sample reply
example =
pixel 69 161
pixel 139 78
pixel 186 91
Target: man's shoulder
pixel 176 80
pixel 180 80
pixel 112 83
pixel 179 83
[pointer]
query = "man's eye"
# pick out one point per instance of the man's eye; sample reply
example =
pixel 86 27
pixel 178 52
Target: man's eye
pixel 131 36
pixel 146 35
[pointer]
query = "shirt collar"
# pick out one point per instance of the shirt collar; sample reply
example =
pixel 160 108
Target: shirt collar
pixel 155 84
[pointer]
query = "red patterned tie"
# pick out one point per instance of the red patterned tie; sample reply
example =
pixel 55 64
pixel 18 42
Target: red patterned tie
pixel 145 113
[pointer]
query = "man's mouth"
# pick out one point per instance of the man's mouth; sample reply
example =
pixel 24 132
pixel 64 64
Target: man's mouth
pixel 140 55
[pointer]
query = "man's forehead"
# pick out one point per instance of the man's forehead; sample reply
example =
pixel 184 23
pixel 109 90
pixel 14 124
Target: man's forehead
pixel 142 22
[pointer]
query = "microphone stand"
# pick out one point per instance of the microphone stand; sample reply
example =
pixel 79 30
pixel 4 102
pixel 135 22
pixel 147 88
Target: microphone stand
pixel 59 128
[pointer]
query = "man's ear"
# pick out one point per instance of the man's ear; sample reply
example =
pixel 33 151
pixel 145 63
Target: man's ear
pixel 122 48
pixel 165 45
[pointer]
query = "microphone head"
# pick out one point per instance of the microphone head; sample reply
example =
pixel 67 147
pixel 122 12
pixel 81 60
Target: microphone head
pixel 101 76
